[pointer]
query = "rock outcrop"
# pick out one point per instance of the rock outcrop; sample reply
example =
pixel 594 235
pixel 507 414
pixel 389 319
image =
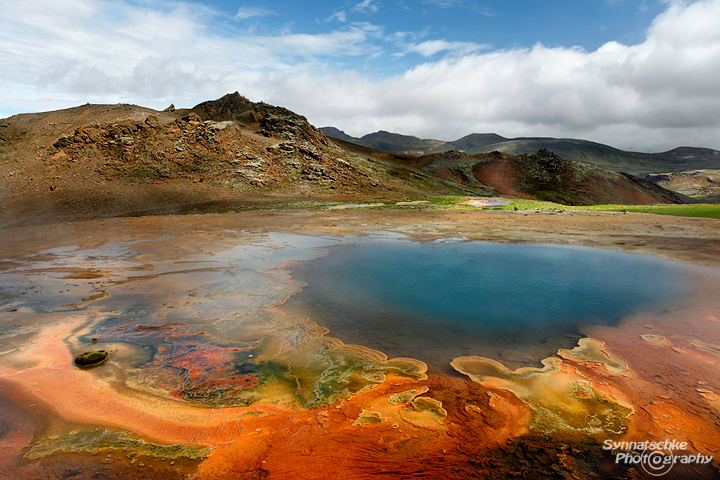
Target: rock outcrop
pixel 207 144
pixel 274 121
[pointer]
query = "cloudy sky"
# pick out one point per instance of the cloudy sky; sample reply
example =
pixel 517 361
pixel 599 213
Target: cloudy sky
pixel 635 74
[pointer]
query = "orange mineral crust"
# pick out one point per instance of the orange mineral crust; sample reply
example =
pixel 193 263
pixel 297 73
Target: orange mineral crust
pixel 442 425
pixel 404 426
pixel 675 381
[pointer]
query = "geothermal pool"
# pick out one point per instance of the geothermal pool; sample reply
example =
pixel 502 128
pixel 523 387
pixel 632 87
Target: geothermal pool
pixel 235 353
pixel 513 302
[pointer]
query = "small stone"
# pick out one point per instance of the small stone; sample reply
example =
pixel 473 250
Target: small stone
pixel 91 359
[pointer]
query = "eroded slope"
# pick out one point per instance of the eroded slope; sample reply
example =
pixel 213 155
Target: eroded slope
pixel 545 176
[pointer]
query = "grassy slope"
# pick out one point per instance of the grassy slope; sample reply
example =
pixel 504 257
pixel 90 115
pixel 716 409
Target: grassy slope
pixel 450 202
pixel 693 210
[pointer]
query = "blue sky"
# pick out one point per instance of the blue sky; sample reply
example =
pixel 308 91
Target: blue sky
pixel 636 74
pixel 490 25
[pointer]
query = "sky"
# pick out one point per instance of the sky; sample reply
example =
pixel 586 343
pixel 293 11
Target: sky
pixel 640 75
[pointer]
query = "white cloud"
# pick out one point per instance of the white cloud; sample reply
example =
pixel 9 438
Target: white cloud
pixel 659 94
pixel 249 12
pixel 433 47
pixel 103 50
pixel 366 6
pixel 662 93
pixel 350 41
pixel 340 16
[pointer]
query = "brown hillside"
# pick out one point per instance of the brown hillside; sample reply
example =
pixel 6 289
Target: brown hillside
pixel 109 160
pixel 545 176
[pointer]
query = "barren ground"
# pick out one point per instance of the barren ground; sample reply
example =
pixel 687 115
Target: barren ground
pixel 690 239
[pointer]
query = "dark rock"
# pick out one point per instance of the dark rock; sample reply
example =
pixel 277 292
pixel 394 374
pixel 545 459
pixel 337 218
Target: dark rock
pixel 191 117
pixel 152 121
pixel 668 195
pixel 63 142
pixel 230 107
pixel 91 359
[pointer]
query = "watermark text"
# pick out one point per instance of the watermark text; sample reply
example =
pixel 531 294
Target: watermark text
pixel 656 457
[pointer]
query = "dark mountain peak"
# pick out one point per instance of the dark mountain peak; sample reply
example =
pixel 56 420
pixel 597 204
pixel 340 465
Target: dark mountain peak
pixel 685 151
pixel 385 141
pixel 477 138
pixel 385 135
pixel 274 121
pixel 588 152
pixel 328 130
pixel 338 134
pixel 229 107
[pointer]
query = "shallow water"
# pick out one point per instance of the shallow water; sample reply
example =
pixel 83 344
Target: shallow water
pixel 516 302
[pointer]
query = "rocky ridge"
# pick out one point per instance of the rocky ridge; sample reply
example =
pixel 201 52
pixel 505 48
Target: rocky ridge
pixel 212 148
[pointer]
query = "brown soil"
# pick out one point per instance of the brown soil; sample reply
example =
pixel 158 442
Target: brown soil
pixel 502 175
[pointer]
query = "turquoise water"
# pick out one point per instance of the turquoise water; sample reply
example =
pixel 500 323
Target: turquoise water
pixel 514 302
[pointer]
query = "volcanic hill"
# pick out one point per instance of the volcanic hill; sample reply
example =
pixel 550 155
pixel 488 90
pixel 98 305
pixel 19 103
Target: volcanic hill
pixel 543 175
pixel 98 161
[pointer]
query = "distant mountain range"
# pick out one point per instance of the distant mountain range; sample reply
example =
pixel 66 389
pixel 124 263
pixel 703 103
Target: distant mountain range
pixel 637 163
